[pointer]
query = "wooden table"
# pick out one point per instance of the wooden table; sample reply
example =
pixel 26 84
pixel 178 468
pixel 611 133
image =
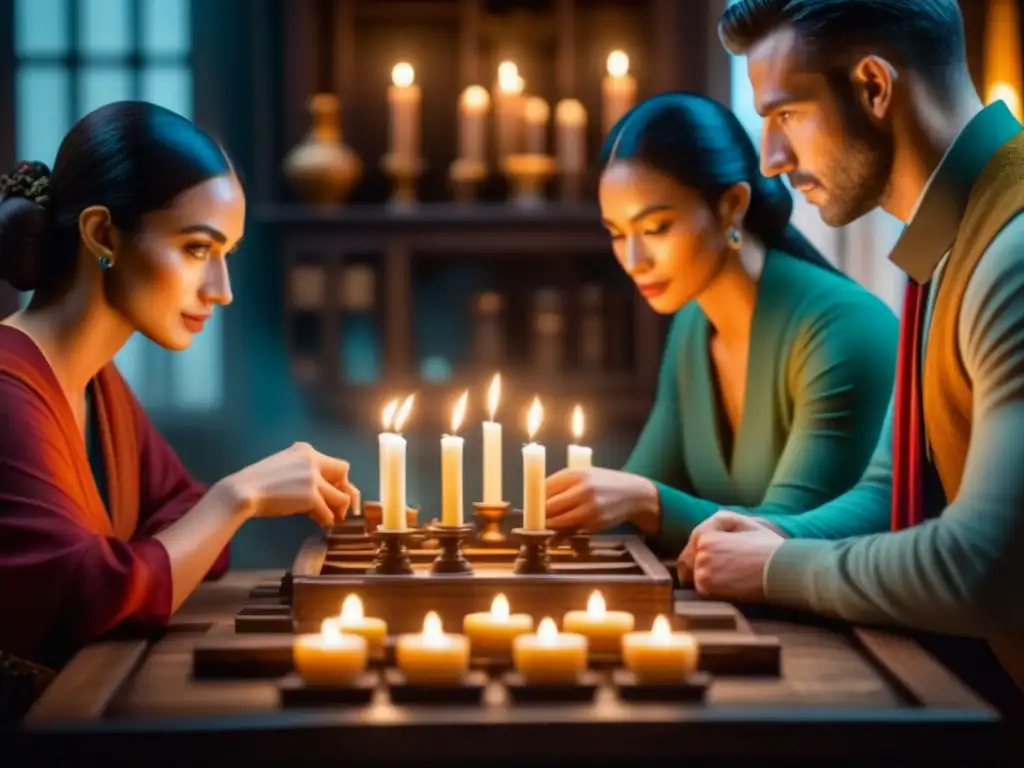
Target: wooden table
pixel 842 694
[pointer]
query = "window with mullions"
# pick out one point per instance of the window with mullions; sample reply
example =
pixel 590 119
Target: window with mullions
pixel 74 56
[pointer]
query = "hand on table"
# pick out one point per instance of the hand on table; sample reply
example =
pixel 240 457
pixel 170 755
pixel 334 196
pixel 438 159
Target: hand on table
pixel 596 498
pixel 726 556
pixel 297 480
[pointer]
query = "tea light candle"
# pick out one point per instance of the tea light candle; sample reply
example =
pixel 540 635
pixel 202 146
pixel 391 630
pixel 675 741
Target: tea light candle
pixel 474 105
pixel 579 456
pixel 392 466
pixel 603 628
pixel 404 103
pixel 618 89
pixel 433 656
pixel 550 656
pixel 492 446
pixel 571 136
pixel 451 468
pixel 329 657
pixel 353 622
pixel 661 655
pixel 536 114
pixel 534 499
pixel 508 110
pixel 492 633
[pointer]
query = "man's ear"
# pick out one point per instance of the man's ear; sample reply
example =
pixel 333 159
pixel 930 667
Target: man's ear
pixel 874 82
pixel 97 232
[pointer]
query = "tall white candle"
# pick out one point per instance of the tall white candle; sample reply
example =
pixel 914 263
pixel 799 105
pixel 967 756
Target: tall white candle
pixel 392 466
pixel 474 105
pixel 571 136
pixel 579 456
pixel 536 114
pixel 451 468
pixel 508 110
pixel 492 446
pixel 534 498
pixel 404 102
pixel 618 90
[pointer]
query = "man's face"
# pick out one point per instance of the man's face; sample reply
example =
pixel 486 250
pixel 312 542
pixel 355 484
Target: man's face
pixel 817 131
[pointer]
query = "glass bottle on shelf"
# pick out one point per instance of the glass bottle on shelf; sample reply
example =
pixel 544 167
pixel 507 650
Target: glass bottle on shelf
pixel 359 336
pixel 548 331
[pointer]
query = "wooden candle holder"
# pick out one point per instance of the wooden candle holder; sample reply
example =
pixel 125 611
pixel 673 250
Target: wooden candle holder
pixel 405 173
pixel 522 692
pixel 466 177
pixel 470 690
pixel 533 558
pixel 491 516
pixel 450 559
pixel 528 175
pixel 295 692
pixel 373 515
pixel 392 553
pixel 692 689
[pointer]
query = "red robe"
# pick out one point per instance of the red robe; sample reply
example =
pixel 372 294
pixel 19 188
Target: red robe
pixel 69 571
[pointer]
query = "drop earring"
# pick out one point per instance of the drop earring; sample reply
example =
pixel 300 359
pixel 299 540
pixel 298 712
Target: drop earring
pixel 105 261
pixel 734 237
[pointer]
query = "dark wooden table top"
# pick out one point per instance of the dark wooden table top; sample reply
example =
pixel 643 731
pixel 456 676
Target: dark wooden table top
pixel 843 693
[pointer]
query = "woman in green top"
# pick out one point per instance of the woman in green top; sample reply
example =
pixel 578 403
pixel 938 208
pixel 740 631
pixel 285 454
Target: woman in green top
pixel 777 370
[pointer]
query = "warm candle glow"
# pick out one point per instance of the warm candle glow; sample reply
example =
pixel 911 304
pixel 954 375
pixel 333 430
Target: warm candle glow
pixel 661 630
pixel 403 413
pixel 494 395
pixel 577 423
pixel 351 609
pixel 330 631
pixel 403 75
pixel 433 630
pixel 509 80
pixel 388 416
pixel 500 608
pixel 459 412
pixel 534 418
pixel 476 97
pixel 536 110
pixel 596 606
pixel 1007 94
pixel 570 112
pixel 618 64
pixel 547 632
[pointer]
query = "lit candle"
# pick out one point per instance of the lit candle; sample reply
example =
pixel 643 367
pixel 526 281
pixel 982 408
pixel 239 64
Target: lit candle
pixel 550 656
pixel 661 655
pixel 392 466
pixel 579 456
pixel 353 622
pixel 451 468
pixel 492 633
pixel 432 656
pixel 508 110
pixel 603 628
pixel 473 107
pixel 571 136
pixel 492 446
pixel 404 102
pixel 536 114
pixel 618 89
pixel 534 500
pixel 329 657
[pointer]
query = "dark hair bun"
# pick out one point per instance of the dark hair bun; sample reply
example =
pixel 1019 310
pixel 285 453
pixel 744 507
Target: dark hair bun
pixel 24 224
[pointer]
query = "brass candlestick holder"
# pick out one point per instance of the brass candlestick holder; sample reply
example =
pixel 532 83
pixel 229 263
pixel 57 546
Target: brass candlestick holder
pixel 392 553
pixel 533 558
pixel 450 559
pixel 467 176
pixel 405 172
pixel 373 514
pixel 528 175
pixel 491 516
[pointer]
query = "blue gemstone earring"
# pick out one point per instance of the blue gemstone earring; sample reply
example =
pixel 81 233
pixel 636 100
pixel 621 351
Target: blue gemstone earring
pixel 105 261
pixel 735 238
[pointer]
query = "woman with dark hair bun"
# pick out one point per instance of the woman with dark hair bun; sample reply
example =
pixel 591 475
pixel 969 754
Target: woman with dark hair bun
pixel 101 526
pixel 777 370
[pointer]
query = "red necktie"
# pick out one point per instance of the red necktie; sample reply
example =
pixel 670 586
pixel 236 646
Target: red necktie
pixel 908 459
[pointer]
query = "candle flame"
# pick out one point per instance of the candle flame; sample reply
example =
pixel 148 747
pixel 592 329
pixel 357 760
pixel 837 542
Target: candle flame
pixel 330 631
pixel 536 111
pixel 494 395
pixel 459 412
pixel 351 610
pixel 661 630
pixel 432 627
pixel 509 80
pixel 577 423
pixel 500 608
pixel 476 97
pixel 534 418
pixel 596 606
pixel 388 417
pixel 547 631
pixel 403 75
pixel 403 413
pixel 618 64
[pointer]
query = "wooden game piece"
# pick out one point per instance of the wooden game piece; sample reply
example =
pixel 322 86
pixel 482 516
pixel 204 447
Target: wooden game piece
pixel 693 689
pixel 294 692
pixel 274 623
pixel 697 615
pixel 469 691
pixel 739 653
pixel 252 655
pixel 522 692
pixel 265 609
pixel 266 589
